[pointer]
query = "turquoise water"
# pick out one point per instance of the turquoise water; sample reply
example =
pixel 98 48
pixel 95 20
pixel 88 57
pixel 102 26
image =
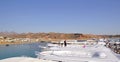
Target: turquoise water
pixel 19 50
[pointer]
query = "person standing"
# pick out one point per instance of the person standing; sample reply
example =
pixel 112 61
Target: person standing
pixel 65 43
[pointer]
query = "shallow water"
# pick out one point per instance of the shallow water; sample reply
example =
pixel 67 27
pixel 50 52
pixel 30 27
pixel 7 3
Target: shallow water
pixel 19 50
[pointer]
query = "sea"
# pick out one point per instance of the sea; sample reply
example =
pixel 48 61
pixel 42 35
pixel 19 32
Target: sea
pixel 19 50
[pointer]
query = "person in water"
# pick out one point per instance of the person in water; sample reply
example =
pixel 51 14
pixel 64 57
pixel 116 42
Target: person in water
pixel 65 43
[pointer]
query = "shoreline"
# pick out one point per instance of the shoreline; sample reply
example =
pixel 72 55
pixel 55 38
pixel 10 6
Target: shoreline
pixel 14 43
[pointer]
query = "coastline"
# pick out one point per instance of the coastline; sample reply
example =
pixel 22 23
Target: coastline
pixel 12 43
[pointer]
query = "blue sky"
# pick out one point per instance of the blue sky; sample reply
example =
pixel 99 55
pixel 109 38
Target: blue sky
pixel 66 16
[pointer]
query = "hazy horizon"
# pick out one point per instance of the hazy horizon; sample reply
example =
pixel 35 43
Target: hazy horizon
pixel 62 16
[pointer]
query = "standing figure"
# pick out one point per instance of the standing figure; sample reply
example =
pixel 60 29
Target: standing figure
pixel 65 43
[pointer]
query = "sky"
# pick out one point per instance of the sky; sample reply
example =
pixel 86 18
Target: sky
pixel 64 16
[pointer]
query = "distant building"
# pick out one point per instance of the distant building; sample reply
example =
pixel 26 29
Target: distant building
pixel 1 37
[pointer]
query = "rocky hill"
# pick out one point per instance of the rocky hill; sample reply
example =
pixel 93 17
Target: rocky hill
pixel 52 35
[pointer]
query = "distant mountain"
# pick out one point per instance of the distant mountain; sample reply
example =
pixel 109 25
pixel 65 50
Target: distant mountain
pixel 53 35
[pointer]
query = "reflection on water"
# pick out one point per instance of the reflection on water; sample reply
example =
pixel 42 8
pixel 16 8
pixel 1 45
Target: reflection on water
pixel 19 50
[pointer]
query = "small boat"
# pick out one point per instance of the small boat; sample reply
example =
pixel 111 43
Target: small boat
pixel 7 45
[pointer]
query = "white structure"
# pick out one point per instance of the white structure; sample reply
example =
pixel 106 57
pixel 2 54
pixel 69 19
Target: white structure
pixel 77 53
pixel 24 59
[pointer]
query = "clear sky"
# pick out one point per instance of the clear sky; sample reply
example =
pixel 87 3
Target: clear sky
pixel 66 16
